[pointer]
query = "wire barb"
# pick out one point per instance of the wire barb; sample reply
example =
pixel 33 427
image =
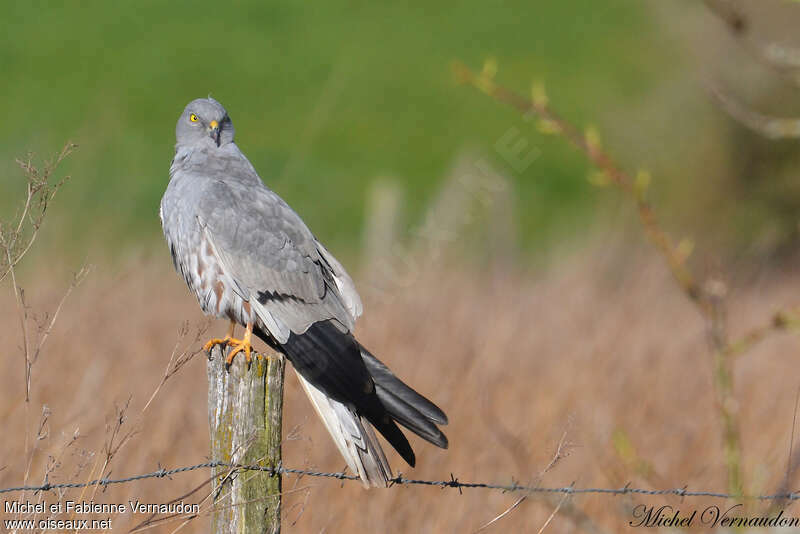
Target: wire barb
pixel 400 480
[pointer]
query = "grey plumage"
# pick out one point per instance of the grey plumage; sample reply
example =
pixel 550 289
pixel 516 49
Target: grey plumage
pixel 249 257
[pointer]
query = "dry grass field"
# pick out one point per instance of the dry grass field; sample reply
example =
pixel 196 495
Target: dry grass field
pixel 598 352
pixel 583 363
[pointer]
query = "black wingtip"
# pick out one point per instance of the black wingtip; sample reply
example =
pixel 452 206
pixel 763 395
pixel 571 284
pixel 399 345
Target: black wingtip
pixel 383 376
pixel 410 417
pixel 331 360
pixel 389 430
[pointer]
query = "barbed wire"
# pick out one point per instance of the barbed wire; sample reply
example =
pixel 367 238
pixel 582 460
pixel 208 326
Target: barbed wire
pixel 400 480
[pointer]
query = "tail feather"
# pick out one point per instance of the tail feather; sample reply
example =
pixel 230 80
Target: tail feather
pixel 411 418
pixel 382 420
pixel 331 360
pixel 352 391
pixel 353 437
pixel 384 377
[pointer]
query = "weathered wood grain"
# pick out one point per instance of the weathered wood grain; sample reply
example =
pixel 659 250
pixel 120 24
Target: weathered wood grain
pixel 245 408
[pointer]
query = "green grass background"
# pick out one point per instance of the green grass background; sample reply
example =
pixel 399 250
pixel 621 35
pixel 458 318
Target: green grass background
pixel 325 97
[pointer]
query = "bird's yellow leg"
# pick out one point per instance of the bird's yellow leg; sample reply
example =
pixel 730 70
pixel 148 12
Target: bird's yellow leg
pixel 241 345
pixel 227 340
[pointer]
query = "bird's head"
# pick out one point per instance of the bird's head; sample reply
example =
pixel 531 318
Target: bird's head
pixel 204 121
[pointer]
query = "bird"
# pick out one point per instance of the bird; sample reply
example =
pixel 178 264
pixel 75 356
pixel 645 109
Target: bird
pixel 249 258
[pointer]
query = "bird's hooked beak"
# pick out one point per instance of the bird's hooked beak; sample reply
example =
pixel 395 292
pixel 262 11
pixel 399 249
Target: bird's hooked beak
pixel 213 131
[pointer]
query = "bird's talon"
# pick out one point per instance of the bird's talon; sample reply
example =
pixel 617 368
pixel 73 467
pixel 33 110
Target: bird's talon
pixel 239 345
pixel 214 341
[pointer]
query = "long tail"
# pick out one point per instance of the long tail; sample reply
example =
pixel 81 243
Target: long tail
pixel 353 391
pixel 404 404
pixel 353 436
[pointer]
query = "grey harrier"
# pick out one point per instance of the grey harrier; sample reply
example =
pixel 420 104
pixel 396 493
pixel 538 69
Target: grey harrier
pixel 249 258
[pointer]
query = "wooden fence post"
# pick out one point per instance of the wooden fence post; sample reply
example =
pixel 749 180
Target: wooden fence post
pixel 244 414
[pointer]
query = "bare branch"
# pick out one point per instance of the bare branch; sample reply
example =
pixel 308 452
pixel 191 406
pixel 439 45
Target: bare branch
pixel 588 144
pixel 708 298
pixel 17 236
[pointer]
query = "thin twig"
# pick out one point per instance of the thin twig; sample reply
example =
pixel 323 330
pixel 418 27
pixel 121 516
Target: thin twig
pixel 552 515
pixel 790 461
pixel 502 515
pixel 590 147
pixel 783 320
pixel 40 191
pixel 76 281
pixel 708 298
pixel 558 455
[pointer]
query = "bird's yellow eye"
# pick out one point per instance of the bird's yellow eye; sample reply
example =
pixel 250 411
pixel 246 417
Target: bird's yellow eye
pixel 193 117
